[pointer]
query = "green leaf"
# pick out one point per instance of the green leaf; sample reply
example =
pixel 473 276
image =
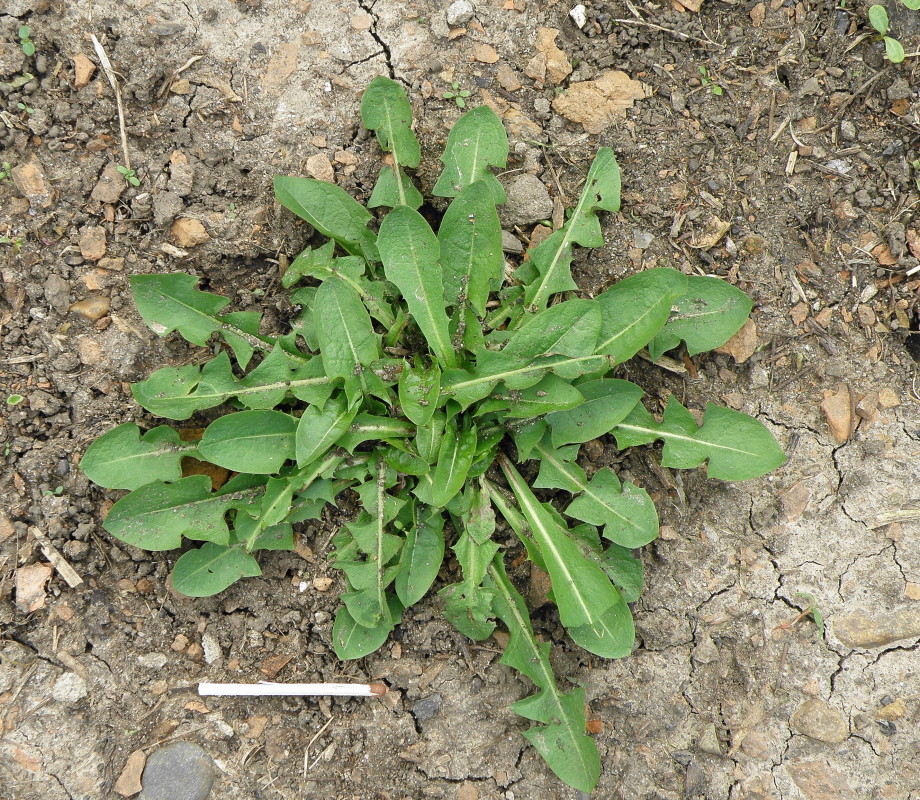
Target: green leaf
pixel 170 303
pixel 581 590
pixel 385 109
pixel 123 459
pixel 454 459
pixel 476 142
pixel 707 316
pixel 257 442
pixel 471 247
pixel 421 558
pixel 913 5
pixel 351 640
pixel 738 447
pixel 311 263
pixel 635 309
pixel 549 269
pixel 570 328
pixel 410 254
pixel 178 392
pixel 428 438
pixel 405 462
pixel 612 636
pixel 878 18
pixel 467 604
pixel 368 427
pixel 563 743
pixel 344 331
pixel 157 515
pixel 419 388
pixel 331 210
pixel 319 429
pixel 893 49
pixel 211 569
pixel 607 402
pixel 552 393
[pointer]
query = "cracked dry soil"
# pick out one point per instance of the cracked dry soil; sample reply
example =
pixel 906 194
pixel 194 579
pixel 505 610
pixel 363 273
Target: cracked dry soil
pixel 807 155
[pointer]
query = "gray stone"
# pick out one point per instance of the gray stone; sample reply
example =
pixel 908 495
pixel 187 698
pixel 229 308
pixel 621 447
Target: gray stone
pixel 511 244
pixel 528 201
pixel 459 12
pixel 899 90
pixel 57 293
pixel 211 647
pixel 69 688
pixel 817 720
pixel 166 207
pixel 860 629
pixel 426 708
pixel 178 771
pixel 11 59
pixel 110 185
pixel 709 741
pixel 152 660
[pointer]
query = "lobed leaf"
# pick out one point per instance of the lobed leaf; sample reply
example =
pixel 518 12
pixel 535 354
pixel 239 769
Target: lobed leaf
pixel 563 743
pixel 124 459
pixel 351 640
pixel 737 446
pixel 549 269
pixel 607 402
pixel 476 142
pixel 709 313
pixel 211 569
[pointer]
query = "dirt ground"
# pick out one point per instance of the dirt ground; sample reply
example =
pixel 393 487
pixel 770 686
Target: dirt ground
pixel 799 137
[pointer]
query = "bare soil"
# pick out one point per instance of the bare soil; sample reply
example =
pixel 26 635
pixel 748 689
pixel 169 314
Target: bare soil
pixel 806 155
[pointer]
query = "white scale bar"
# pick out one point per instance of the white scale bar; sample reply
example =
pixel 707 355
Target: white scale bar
pixel 269 689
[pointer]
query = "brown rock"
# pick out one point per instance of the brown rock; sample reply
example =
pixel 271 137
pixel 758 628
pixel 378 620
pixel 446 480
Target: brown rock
pixel 794 501
pixel 484 53
pixel 595 104
pixel 361 21
pixel 887 398
pixel 322 583
pixel 281 66
pixel 507 78
pixel 129 782
pixel 860 629
pixel 94 307
pixel 818 781
pixel 83 70
pixel 557 65
pixel 894 710
pixel 320 167
pixel 189 232
pixel 468 791
pixel 89 350
pixel 817 720
pixel 6 527
pixel 112 263
pixel 344 157
pixel 743 344
pixel 836 408
pixel 92 242
pixel 110 185
pixel 31 181
pixel 181 174
pixel 30 586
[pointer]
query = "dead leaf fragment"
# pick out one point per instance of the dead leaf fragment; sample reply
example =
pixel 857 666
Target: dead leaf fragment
pixel 557 65
pixel 836 408
pixel 595 104
pixel 30 586
pixel 743 344
pixel 129 782
pixel 83 70
pixel 273 665
pixel 484 53
pixel 712 234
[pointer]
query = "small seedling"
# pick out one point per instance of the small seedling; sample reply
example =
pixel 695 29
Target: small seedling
pixel 28 46
pixel 26 108
pixel 878 19
pixel 6 171
pixel 129 175
pixel 418 377
pixel 58 490
pixel 457 94
pixel 14 399
pixel 707 80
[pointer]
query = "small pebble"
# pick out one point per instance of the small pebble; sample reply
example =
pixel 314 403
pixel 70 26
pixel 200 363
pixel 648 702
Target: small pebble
pixel 459 12
pixel 178 770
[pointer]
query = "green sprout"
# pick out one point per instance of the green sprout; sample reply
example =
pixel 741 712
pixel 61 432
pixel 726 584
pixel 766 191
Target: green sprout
pixel 6 171
pixel 707 80
pixel 28 46
pixel 23 107
pixel 14 399
pixel 129 175
pixel 457 94
pixel 878 19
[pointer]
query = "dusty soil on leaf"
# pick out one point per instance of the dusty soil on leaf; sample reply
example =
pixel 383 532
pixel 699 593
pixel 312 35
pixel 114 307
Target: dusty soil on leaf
pixel 793 179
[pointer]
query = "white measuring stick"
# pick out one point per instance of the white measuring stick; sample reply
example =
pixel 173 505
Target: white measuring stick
pixel 269 689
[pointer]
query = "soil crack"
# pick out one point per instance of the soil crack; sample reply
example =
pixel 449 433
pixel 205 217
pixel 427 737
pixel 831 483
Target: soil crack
pixel 384 47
